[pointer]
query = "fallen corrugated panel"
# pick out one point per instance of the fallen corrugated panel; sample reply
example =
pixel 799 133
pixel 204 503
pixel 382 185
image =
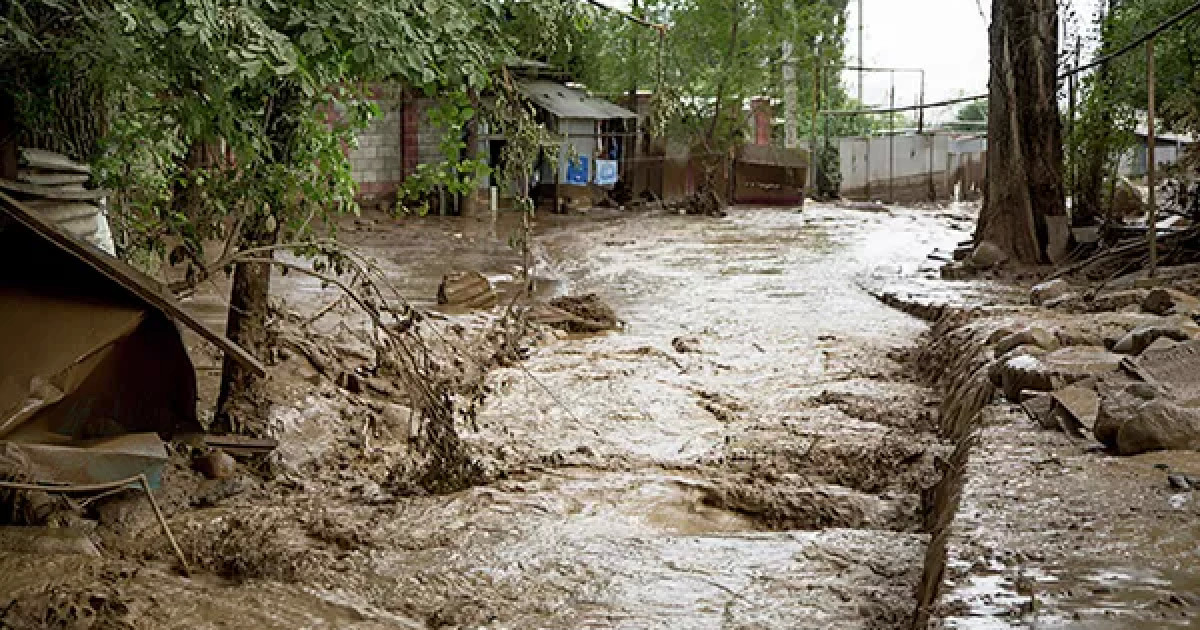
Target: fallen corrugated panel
pixel 95 461
pixel 51 161
pixel 66 193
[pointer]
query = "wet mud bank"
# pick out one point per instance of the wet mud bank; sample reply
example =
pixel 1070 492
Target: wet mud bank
pixel 1035 522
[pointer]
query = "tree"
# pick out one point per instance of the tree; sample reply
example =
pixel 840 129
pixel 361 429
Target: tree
pixel 1024 190
pixel 281 87
pixel 976 111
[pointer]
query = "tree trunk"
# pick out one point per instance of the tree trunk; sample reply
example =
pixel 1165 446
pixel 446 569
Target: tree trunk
pixel 8 137
pixel 242 405
pixel 470 199
pixel 1025 155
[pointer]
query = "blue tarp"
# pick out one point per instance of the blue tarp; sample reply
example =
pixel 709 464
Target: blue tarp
pixel 578 171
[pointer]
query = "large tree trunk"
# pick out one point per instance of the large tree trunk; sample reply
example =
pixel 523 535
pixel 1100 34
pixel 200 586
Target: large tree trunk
pixel 1024 168
pixel 8 137
pixel 242 405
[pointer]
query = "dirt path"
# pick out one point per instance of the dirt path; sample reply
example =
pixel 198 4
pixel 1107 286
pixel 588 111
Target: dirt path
pixel 744 453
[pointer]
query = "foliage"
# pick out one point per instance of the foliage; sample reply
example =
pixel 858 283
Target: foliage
pixel 975 111
pixel 716 55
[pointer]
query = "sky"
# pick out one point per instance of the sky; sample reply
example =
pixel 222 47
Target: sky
pixel 948 38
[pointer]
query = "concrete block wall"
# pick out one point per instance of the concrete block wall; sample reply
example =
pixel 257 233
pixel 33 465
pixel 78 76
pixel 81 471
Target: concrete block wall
pixel 378 161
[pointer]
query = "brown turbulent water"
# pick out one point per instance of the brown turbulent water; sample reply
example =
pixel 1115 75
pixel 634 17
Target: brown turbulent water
pixel 764 477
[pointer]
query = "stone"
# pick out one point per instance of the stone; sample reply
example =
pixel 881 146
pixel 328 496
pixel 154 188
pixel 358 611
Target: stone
pixel 1046 291
pixel 987 255
pixel 1160 424
pixel 1140 338
pixel 998 367
pixel 1179 482
pixel 1079 405
pixel 1054 370
pixel 1117 300
pixel 1028 336
pixel 216 464
pixel 1158 301
pixel 1040 409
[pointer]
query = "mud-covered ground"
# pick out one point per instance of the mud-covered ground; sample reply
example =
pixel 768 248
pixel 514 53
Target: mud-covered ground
pixel 746 451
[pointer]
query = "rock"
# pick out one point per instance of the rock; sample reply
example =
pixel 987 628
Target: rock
pixel 1160 425
pixel 998 367
pixel 467 289
pixel 685 345
pixel 1046 291
pixel 1159 302
pixel 1140 338
pixel 1116 300
pixel 1040 409
pixel 216 464
pixel 1179 482
pixel 581 314
pixel 987 255
pixel 1054 370
pixel 1079 405
pixel 1028 336
pixel 1163 301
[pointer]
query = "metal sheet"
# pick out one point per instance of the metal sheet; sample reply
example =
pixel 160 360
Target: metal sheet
pixel 567 102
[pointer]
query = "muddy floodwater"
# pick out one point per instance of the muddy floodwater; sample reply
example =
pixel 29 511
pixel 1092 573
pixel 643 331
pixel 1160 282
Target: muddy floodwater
pixel 747 451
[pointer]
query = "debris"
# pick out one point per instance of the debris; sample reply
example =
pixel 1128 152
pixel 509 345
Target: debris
pixel 215 464
pixel 241 445
pixel 1047 291
pixel 47 540
pixel 1179 482
pixel 1028 336
pixel 469 289
pixel 1173 370
pixel 581 314
pixel 987 255
pixel 684 345
pixel 1140 338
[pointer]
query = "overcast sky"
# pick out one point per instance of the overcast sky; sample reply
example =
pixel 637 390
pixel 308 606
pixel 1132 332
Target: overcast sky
pixel 948 38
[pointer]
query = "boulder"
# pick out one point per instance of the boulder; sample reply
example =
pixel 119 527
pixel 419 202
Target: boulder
pixel 1046 291
pixel 1160 424
pixel 1119 402
pixel 987 255
pixel 1141 337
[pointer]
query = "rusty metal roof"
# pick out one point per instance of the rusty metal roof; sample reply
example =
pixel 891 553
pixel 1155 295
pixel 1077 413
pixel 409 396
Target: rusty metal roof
pixel 143 287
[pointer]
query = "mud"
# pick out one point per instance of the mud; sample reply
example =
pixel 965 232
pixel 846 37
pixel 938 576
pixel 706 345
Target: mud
pixel 771 474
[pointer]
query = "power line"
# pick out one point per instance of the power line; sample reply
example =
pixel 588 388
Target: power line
pixel 1099 61
pixel 628 16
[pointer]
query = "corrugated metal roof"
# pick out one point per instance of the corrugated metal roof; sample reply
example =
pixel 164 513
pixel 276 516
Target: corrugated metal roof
pixel 566 102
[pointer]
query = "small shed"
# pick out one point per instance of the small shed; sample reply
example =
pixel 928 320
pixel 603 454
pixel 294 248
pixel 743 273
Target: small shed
pixel 93 365
pixel 600 135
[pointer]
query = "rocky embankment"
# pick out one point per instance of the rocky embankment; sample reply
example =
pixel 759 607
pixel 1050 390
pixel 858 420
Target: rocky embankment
pixel 1076 419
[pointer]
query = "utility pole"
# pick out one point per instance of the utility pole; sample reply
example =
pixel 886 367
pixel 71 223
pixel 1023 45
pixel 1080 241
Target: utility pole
pixel 791 134
pixel 861 62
